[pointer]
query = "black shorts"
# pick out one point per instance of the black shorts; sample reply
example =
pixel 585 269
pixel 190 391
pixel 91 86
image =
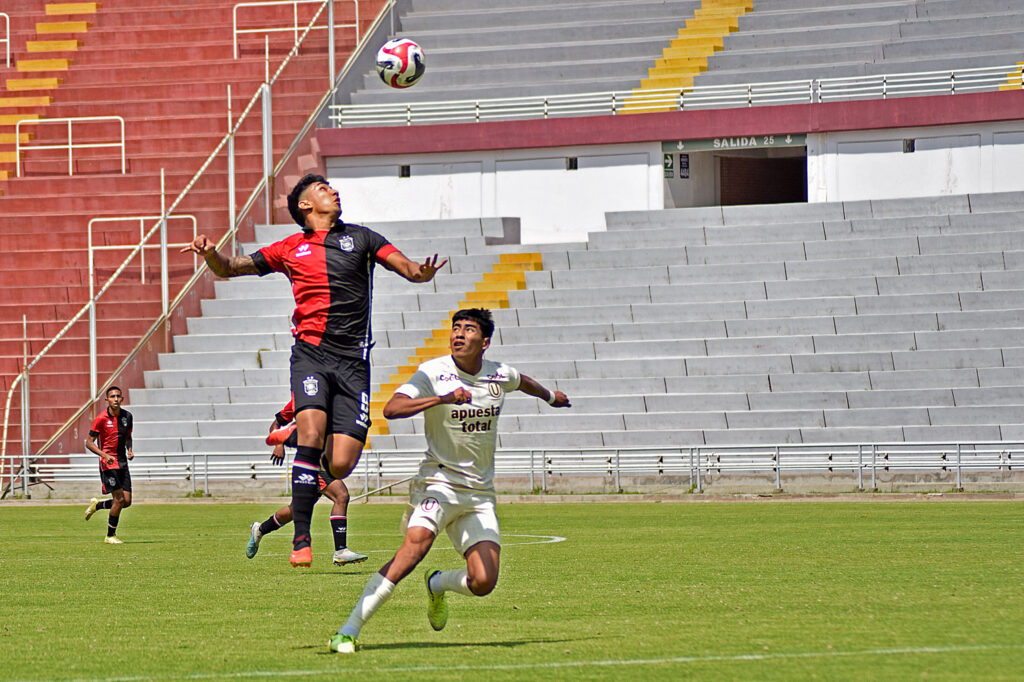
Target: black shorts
pixel 338 385
pixel 116 479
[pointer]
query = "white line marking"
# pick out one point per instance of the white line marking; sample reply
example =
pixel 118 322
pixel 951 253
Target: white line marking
pixel 676 660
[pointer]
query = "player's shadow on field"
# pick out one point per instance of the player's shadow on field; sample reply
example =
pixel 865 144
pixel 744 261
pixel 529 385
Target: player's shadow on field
pixel 401 646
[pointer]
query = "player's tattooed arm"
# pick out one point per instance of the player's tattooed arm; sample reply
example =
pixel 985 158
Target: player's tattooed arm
pixel 532 387
pixel 221 265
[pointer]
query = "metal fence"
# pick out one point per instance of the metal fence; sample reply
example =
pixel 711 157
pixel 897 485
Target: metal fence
pixel 946 82
pixel 696 464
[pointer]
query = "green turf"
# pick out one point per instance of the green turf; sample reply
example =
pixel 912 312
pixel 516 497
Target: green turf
pixel 776 591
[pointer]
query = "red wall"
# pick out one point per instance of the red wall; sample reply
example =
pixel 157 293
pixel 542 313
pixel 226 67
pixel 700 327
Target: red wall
pixel 676 125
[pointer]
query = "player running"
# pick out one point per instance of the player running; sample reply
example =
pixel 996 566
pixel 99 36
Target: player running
pixel 282 433
pixel 461 396
pixel 330 265
pixel 113 430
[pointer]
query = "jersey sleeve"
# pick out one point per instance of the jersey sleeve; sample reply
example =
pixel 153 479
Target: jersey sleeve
pixel 94 430
pixel 270 258
pixel 379 246
pixel 131 423
pixel 511 375
pixel 418 386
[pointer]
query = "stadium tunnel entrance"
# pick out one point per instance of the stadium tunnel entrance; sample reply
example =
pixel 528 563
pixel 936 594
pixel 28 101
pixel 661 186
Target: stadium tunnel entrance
pixel 762 169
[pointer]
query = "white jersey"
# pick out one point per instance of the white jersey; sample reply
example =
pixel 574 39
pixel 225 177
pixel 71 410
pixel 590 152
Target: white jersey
pixel 461 438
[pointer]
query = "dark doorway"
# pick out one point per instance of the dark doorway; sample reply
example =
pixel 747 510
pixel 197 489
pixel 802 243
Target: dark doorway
pixel 751 180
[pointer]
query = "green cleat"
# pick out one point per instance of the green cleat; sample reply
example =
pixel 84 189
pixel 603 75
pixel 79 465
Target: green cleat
pixel 254 540
pixel 91 509
pixel 342 644
pixel 437 607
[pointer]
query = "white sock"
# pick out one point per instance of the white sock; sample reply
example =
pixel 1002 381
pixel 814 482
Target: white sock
pixel 377 591
pixel 451 581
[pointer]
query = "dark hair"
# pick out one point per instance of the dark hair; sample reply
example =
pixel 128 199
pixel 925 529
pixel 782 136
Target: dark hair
pixel 113 388
pixel 297 190
pixel 481 316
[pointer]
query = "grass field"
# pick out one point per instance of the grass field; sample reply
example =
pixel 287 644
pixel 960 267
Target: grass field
pixel 770 591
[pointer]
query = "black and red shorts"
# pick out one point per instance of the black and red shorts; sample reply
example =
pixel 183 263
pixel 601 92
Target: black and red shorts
pixel 337 384
pixel 116 479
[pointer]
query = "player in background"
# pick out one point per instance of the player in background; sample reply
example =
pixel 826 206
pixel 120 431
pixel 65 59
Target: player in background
pixel 110 437
pixel 282 433
pixel 461 396
pixel 330 265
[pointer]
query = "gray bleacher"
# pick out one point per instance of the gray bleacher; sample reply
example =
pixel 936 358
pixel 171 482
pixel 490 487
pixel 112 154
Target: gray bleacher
pixel 500 48
pixel 797 39
pixel 869 321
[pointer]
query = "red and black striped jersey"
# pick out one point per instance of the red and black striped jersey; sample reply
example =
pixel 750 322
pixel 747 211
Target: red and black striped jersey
pixel 332 280
pixel 114 434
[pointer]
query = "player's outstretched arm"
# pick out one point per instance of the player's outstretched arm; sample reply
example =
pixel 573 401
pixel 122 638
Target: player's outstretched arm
pixel 221 265
pixel 401 406
pixel 554 398
pixel 418 273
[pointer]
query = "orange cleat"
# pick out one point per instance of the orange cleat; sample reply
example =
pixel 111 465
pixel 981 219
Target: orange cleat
pixel 279 436
pixel 302 557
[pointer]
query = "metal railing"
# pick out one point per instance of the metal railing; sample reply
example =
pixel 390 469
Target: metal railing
pixel 295 27
pixel 700 466
pixel 19 146
pixel 946 82
pixel 226 144
pixel 6 39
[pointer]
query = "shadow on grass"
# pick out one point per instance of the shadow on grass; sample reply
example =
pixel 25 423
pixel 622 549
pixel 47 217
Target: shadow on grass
pixel 401 646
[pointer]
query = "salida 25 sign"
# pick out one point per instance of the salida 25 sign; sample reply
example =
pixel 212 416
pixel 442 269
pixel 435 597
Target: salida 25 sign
pixel 741 142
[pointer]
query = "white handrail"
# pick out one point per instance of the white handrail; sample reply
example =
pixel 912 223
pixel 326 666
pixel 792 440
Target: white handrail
pixel 980 79
pixel 295 19
pixel 6 40
pixel 388 468
pixel 70 146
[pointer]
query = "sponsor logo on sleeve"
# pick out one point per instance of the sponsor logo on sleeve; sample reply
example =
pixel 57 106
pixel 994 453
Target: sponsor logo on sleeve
pixel 304 250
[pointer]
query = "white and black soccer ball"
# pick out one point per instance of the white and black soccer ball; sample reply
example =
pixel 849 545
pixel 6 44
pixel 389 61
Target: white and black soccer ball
pixel 400 63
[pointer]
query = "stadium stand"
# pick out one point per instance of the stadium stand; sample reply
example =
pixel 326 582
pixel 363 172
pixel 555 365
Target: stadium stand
pixel 852 322
pixel 797 39
pixel 165 69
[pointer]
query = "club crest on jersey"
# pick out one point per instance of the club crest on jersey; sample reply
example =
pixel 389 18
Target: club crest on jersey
pixel 494 389
pixel 346 242
pixel 310 385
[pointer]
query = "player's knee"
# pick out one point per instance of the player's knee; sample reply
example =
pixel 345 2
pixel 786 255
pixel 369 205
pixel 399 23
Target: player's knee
pixel 125 503
pixel 481 586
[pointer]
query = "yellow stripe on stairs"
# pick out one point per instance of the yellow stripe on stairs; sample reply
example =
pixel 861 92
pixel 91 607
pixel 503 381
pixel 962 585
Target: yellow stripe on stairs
pixel 55 9
pixel 687 55
pixel 50 27
pixel 508 274
pixel 23 84
pixel 1014 80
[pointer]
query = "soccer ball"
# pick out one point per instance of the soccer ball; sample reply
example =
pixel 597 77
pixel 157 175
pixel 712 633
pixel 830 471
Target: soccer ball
pixel 400 63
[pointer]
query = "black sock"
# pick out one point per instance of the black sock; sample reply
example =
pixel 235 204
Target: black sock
pixel 339 524
pixel 305 490
pixel 105 504
pixel 112 525
pixel 270 525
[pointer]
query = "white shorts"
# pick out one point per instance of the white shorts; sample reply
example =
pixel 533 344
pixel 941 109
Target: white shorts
pixel 468 516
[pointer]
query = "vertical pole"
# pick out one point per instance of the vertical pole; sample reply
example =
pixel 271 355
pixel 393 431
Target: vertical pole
pixel 164 284
pixel 618 473
pixel 206 473
pixel 874 460
pixel 959 481
pixel 778 469
pixel 860 467
pixel 92 320
pixel 699 489
pixel 193 476
pixel 26 421
pixel 532 486
pixel 231 179
pixel 543 472
pixel 330 42
pixel 71 146
pixel 268 130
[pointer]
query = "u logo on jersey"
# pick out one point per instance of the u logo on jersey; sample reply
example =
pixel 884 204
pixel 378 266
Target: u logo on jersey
pixel 494 389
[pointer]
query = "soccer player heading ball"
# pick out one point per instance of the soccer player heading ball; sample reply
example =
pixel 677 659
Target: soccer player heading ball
pixel 330 265
pixel 461 396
